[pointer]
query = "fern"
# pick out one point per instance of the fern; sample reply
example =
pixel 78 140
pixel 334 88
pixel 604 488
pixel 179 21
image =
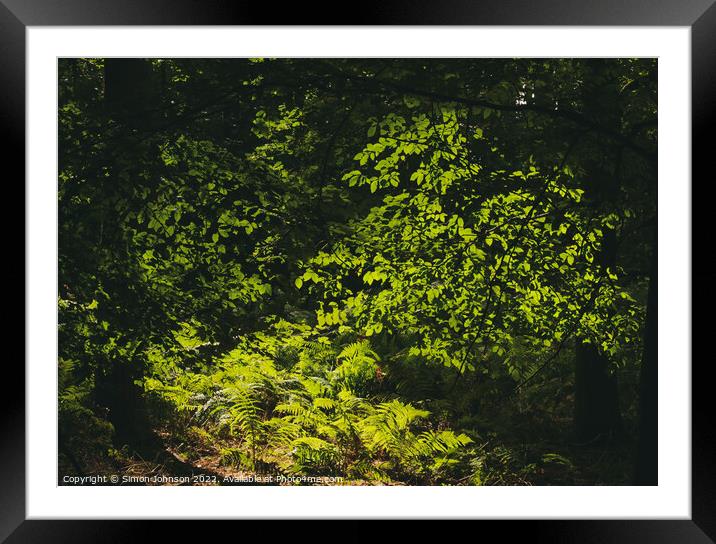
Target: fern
pixel 357 366
pixel 314 455
pixel 304 409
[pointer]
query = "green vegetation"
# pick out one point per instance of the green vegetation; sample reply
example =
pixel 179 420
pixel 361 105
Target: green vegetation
pixel 393 271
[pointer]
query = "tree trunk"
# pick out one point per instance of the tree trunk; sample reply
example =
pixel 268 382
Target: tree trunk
pixel 596 411
pixel 130 94
pixel 130 90
pixel 117 391
pixel 596 392
pixel 647 456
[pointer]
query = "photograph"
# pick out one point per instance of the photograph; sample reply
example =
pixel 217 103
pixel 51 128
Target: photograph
pixel 357 271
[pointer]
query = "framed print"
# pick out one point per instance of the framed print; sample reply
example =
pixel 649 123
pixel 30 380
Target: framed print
pixel 406 268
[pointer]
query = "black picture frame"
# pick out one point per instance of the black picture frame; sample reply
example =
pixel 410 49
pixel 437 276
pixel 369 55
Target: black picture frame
pixel 699 15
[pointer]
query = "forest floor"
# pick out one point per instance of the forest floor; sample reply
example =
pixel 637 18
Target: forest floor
pixel 521 444
pixel 163 460
pixel 190 458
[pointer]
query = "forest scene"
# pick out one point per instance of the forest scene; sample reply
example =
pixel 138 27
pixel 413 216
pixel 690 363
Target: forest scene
pixel 359 271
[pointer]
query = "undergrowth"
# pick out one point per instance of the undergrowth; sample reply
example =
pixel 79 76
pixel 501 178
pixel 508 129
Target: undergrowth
pixel 290 401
